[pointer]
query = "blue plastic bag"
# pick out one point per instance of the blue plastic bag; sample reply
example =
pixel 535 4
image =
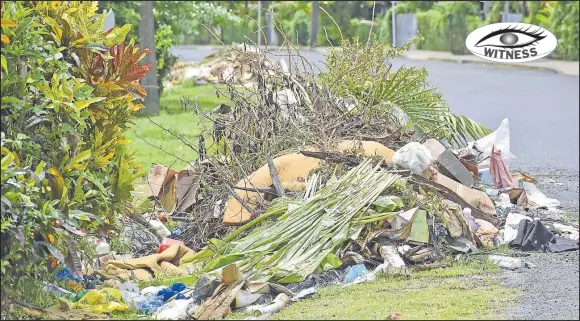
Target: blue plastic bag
pixel 149 306
pixel 167 294
pixel 354 271
pixel 177 287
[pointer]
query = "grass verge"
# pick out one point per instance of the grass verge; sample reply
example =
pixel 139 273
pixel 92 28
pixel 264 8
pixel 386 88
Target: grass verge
pixel 148 137
pixel 463 291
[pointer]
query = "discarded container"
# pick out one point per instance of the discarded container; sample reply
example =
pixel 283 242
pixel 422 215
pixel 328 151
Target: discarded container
pixel 353 272
pixel 470 219
pixel 160 229
pixel 507 262
pixel 279 302
pixel 167 242
pixel 102 248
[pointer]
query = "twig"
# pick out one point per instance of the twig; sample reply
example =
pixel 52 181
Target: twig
pixel 268 190
pixel 275 178
pixel 237 197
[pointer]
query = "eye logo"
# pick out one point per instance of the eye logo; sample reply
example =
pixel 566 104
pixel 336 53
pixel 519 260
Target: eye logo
pixel 511 42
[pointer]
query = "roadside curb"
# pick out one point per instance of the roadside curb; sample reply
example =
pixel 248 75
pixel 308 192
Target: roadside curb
pixel 504 66
pixel 495 65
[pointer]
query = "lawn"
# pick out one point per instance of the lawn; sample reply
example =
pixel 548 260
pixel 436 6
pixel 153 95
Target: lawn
pixel 463 291
pixel 148 137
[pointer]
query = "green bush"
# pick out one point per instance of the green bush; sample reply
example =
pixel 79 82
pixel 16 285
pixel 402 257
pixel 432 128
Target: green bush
pixel 432 25
pixel 560 18
pixel 68 95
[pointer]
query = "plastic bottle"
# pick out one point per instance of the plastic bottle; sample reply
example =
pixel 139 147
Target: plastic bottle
pixel 161 230
pixel 467 213
pixel 103 248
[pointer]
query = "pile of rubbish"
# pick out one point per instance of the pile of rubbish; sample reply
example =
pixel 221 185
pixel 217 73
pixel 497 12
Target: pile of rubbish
pixel 348 198
pixel 232 65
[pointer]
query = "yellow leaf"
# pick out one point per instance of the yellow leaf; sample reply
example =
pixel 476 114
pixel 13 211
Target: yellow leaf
pixel 105 159
pixel 56 182
pixel 80 157
pixel 55 28
pixel 123 142
pixel 8 23
pixel 82 104
pixel 4 39
pixel 136 107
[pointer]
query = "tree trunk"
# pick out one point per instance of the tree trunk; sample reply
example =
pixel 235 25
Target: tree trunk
pixel 314 25
pixel 147 40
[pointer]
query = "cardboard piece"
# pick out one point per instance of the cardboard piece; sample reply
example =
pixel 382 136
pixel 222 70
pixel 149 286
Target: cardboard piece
pixel 176 190
pixel 474 197
pixel 518 196
pixel 448 163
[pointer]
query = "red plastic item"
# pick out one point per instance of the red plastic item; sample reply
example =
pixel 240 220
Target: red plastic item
pixel 167 242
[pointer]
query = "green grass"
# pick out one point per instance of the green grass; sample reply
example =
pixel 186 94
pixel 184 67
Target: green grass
pixel 416 299
pixel 463 291
pixel 184 123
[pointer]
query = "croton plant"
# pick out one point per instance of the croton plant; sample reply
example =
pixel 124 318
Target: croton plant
pixel 69 91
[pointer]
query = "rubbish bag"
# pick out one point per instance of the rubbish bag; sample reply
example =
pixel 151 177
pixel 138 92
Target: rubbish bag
pixel 102 301
pixel 413 156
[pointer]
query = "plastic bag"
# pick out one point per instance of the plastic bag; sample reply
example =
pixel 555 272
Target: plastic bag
pixel 413 156
pixel 101 301
pixel 500 138
pixel 353 272
pixel 512 222
pixel 174 310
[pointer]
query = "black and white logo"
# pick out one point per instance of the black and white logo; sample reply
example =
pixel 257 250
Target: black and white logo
pixel 511 42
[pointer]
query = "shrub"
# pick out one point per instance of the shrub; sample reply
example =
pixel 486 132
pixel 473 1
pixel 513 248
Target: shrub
pixel 432 25
pixel 69 92
pixel 560 18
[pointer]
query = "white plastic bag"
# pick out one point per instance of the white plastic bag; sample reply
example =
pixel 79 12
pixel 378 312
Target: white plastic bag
pixel 173 310
pixel 413 156
pixel 500 138
pixel 538 198
pixel 511 226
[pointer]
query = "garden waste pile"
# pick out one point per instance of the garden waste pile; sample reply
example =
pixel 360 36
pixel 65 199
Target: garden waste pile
pixel 327 180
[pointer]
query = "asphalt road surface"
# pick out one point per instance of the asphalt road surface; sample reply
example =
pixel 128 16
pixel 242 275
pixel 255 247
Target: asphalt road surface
pixel 542 109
